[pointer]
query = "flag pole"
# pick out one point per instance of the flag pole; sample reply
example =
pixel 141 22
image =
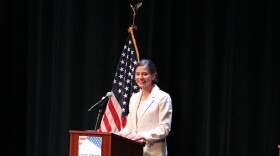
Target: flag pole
pixel 133 26
pixel 130 30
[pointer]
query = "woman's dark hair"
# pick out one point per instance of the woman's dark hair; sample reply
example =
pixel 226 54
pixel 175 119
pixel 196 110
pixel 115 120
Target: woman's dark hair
pixel 151 67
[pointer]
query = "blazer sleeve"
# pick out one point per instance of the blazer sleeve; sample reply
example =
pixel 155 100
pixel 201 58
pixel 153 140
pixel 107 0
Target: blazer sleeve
pixel 165 118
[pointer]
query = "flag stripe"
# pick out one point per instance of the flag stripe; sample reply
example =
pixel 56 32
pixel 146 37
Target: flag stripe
pixel 124 120
pixel 106 123
pixel 115 115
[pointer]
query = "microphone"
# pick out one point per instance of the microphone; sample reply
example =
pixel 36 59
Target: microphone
pixel 107 96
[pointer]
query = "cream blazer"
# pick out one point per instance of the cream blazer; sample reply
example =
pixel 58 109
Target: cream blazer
pixel 154 123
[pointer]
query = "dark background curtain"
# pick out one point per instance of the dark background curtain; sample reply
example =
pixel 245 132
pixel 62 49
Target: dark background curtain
pixel 218 59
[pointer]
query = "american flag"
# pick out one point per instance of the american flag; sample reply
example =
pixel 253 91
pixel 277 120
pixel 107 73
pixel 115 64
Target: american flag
pixel 114 117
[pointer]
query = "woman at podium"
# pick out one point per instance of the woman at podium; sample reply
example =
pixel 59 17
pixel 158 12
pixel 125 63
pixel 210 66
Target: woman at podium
pixel 150 112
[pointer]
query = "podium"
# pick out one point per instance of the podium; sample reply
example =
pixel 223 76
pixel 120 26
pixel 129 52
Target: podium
pixel 279 150
pixel 112 144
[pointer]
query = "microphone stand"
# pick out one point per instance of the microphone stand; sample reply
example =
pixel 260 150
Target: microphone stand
pixel 98 119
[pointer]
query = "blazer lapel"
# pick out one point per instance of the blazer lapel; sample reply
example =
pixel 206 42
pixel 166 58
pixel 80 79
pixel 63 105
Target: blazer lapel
pixel 148 103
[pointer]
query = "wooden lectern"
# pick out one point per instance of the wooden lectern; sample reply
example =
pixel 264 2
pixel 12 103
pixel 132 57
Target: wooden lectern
pixel 279 150
pixel 112 144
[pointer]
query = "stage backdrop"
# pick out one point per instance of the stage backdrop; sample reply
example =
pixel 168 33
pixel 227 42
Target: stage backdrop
pixel 218 59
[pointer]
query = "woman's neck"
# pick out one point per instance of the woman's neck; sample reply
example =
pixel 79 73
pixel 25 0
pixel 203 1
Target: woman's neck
pixel 146 92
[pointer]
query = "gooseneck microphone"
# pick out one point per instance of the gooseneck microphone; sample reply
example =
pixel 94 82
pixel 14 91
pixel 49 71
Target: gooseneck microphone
pixel 99 103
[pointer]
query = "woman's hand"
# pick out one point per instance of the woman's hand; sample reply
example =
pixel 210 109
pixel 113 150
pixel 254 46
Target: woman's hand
pixel 136 137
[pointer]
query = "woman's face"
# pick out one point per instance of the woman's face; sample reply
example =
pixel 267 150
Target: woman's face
pixel 143 77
